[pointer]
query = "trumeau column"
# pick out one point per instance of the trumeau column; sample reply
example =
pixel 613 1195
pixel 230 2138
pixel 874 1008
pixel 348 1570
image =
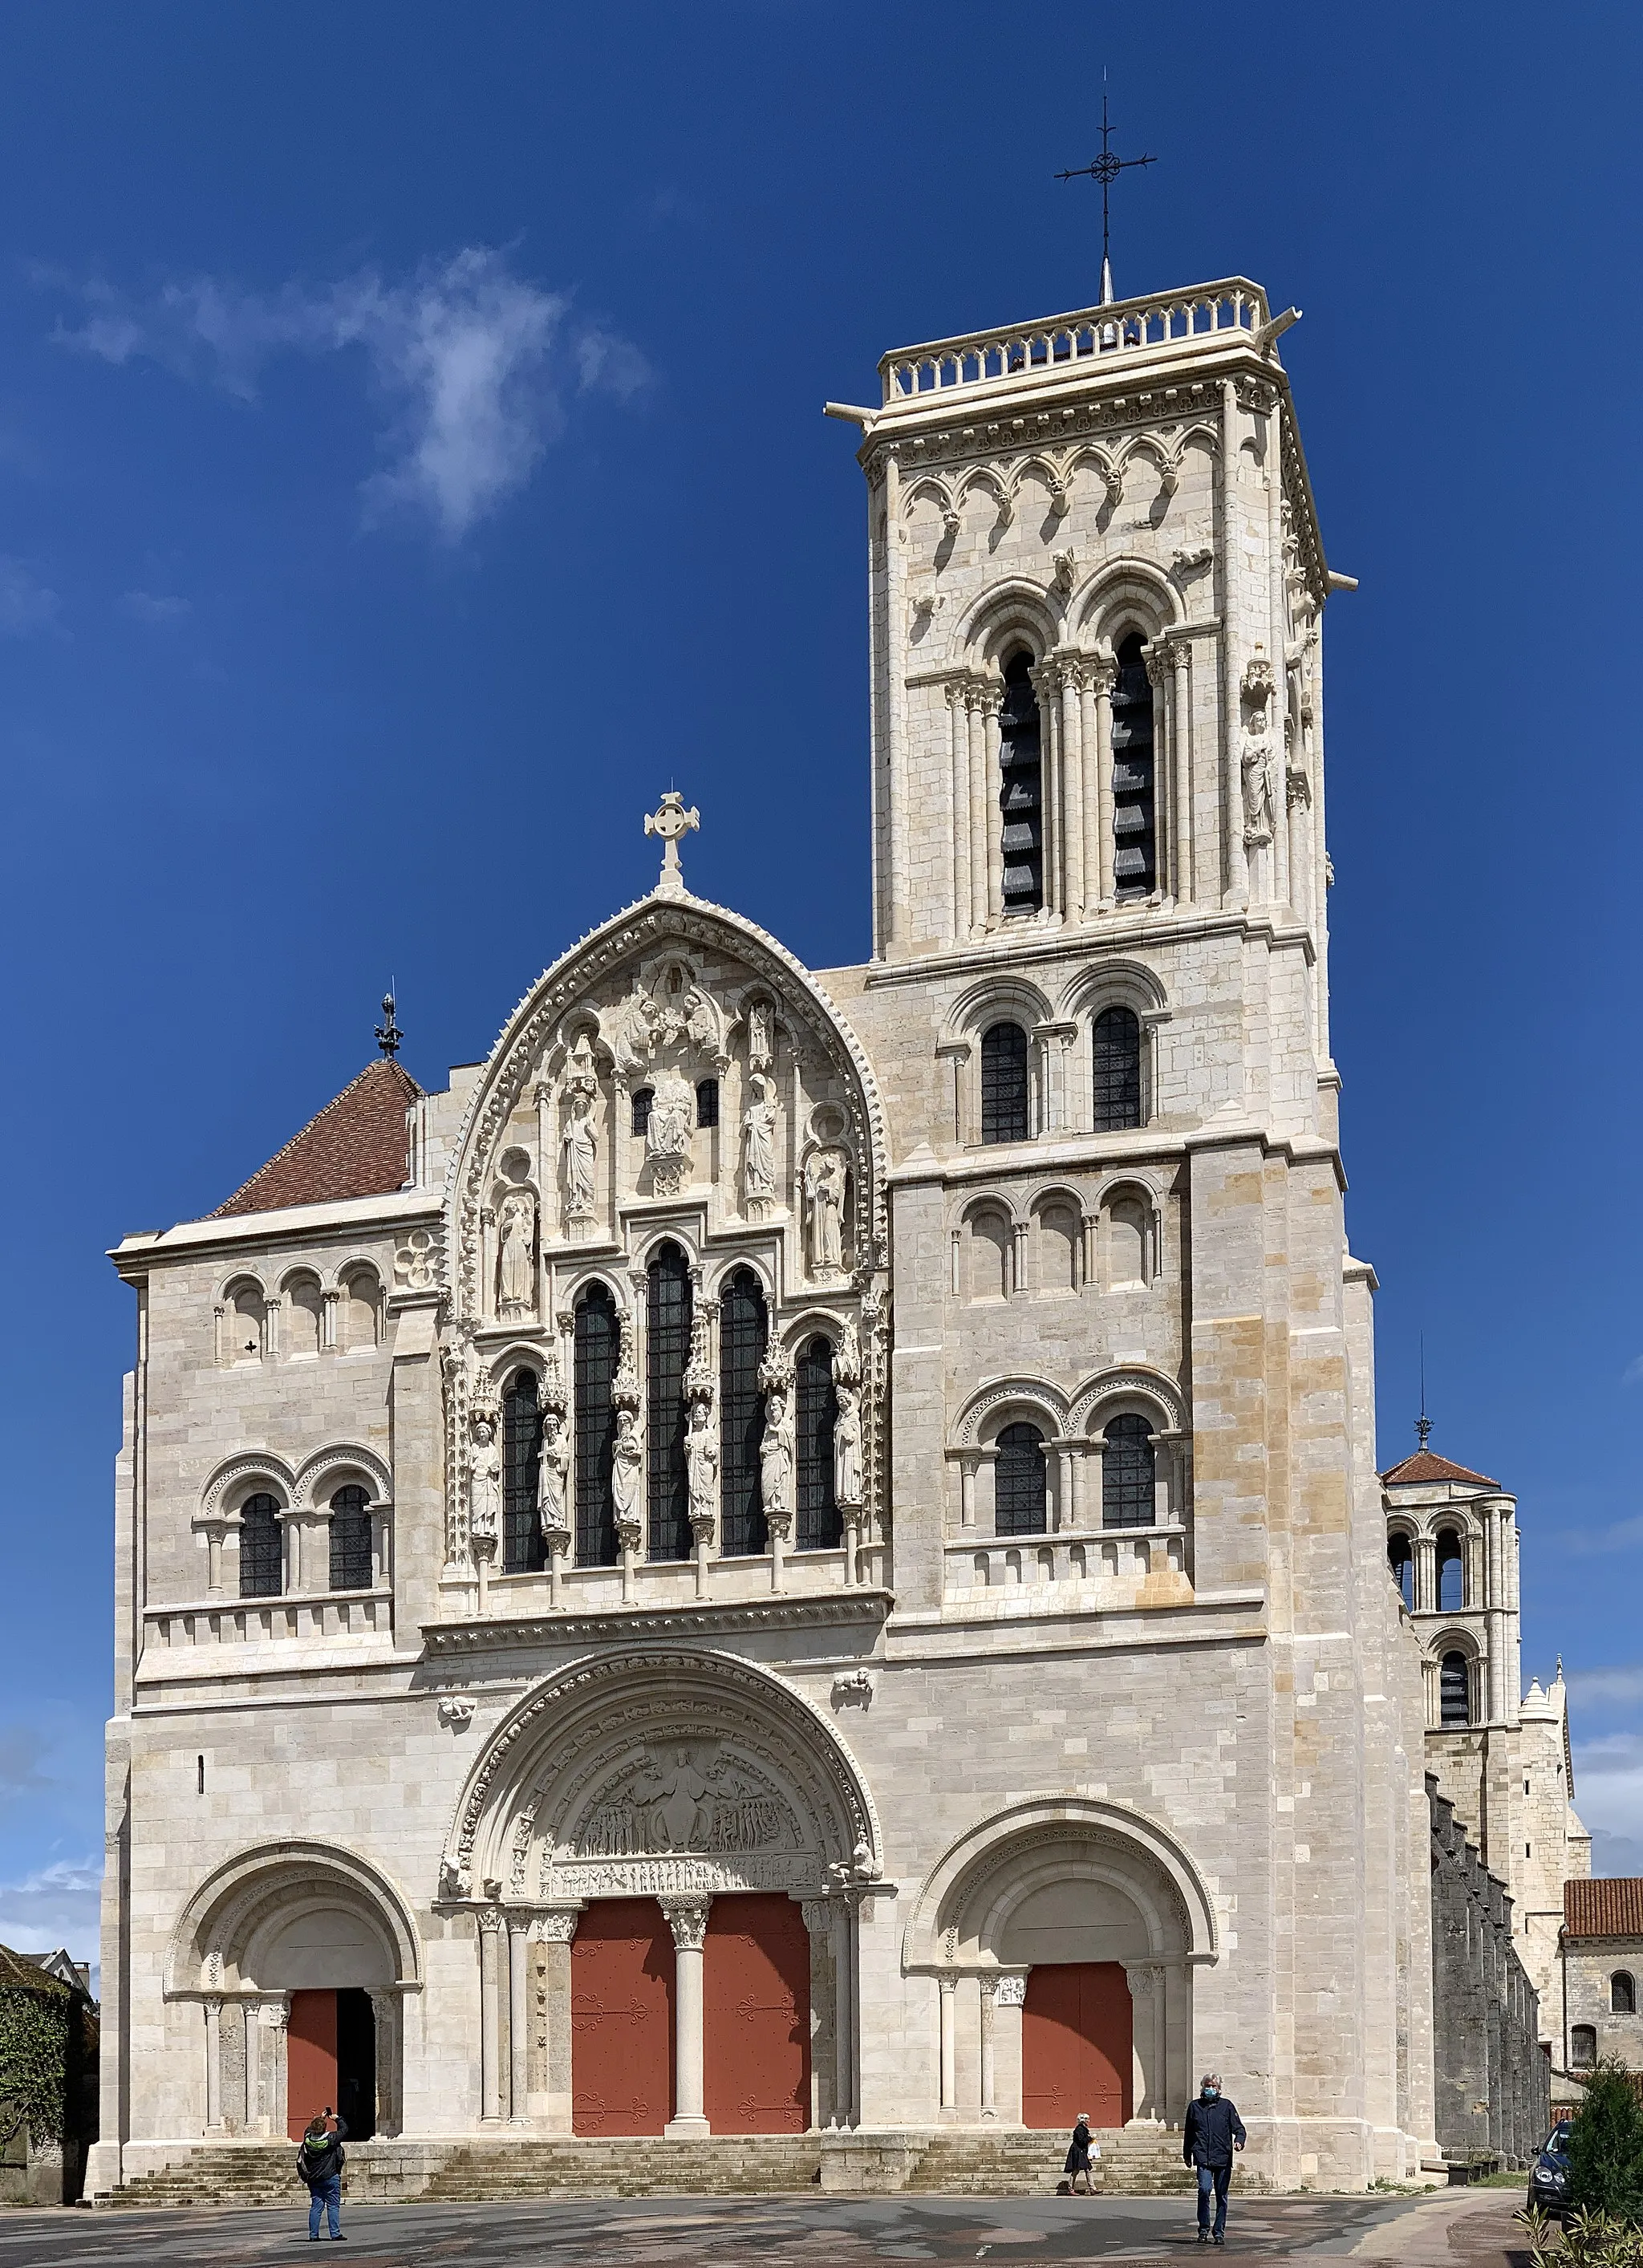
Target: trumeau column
pixel 687 1917
pixel 1103 677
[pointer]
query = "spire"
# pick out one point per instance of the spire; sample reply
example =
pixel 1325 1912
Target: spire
pixel 1105 170
pixel 388 1032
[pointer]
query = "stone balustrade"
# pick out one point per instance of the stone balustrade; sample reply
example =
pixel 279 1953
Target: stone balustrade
pixel 326 1616
pixel 1070 1569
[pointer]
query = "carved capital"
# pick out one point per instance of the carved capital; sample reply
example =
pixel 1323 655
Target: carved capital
pixel 1103 675
pixel 557 1924
pixel 490 1920
pixel 687 1917
pixel 818 1917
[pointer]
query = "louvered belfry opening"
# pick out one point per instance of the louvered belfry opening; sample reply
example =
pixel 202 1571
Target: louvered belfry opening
pixel 820 1526
pixel 743 1330
pixel 668 1352
pixel 1454 1696
pixel 1004 1084
pixel 1116 1069
pixel 350 1540
pixel 1021 1496
pixel 1134 825
pixel 523 1550
pixel 1020 792
pixel 597 1340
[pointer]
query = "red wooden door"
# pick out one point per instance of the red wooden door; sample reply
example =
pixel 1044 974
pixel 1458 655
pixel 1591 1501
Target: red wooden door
pixel 756 2017
pixel 622 2018
pixel 310 2060
pixel 1076 2044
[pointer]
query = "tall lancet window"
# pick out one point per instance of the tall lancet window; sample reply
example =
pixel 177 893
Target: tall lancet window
pixel 522 1546
pixel 1116 1069
pixel 1020 792
pixel 1134 825
pixel 820 1528
pixel 743 1330
pixel 597 1341
pixel 668 1351
pixel 261 1547
pixel 1004 1084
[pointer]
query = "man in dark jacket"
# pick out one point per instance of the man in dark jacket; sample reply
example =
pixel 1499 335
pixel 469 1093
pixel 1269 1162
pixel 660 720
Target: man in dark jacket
pixel 320 2162
pixel 1213 2131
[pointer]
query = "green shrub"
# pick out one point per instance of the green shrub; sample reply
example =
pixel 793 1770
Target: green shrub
pixel 36 2050
pixel 1590 2240
pixel 1606 2148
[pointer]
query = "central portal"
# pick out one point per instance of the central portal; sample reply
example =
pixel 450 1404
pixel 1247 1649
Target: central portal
pixel 756 2030
pixel 1076 2044
pixel 622 2018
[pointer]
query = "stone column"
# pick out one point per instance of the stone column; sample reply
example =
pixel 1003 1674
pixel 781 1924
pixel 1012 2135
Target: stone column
pixel 555 1929
pixel 989 2073
pixel 1146 1993
pixel 969 1465
pixel 1072 786
pixel 976 805
pixel 1045 677
pixel 946 1994
pixel 818 1920
pixel 277 2015
pixel 992 705
pixel 1066 1453
pixel 518 2019
pixel 214 2066
pixel 1103 677
pixel 1180 716
pixel 1425 1574
pixel 489 2016
pixel 958 762
pixel 1163 822
pixel 843 2014
pixel 687 1917
pixel 385 2013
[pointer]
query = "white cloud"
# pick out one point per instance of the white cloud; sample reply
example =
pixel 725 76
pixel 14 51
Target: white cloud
pixel 473 362
pixel 1596 1685
pixel 1632 1374
pixel 27 608
pixel 57 1905
pixel 1609 1784
pixel 153 607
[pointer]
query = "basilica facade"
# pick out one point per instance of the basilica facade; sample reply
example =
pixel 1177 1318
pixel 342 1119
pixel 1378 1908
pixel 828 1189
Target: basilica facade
pixel 799 1551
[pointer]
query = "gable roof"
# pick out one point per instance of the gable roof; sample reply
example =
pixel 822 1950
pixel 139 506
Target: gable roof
pixel 1610 1906
pixel 1425 1466
pixel 25 1970
pixel 355 1147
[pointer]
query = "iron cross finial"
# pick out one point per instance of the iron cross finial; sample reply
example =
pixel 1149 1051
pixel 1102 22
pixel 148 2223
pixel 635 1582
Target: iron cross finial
pixel 670 822
pixel 1105 170
pixel 388 1032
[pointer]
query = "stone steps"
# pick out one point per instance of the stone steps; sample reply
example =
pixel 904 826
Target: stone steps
pixel 629 2166
pixel 1015 2164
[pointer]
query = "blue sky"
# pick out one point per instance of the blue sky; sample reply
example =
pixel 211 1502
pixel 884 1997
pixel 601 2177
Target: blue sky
pixel 411 460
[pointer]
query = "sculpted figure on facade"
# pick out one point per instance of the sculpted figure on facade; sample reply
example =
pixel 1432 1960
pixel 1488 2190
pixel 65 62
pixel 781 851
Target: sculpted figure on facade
pixel 827 1173
pixel 627 1478
pixel 701 1450
pixel 847 1446
pixel 759 1036
pixel 578 1152
pixel 552 1482
pixel 484 1480
pixel 1257 794
pixel 758 1161
pixel 775 1462
pixel 668 1133
pixel 516 1259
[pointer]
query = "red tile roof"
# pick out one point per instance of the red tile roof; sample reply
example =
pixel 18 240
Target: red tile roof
pixel 1425 1466
pixel 1612 1906
pixel 355 1147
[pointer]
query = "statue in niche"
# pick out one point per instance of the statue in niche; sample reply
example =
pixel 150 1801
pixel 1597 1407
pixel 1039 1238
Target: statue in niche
pixel 627 1476
pixel 847 1446
pixel 484 1479
pixel 826 1172
pixel 758 1168
pixel 516 1262
pixel 667 1132
pixel 553 1479
pixel 701 1450
pixel 759 1036
pixel 579 1151
pixel 775 1462
pixel 1258 820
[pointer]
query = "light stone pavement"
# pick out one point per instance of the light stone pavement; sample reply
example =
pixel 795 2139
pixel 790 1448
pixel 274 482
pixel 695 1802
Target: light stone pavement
pixel 1469 2229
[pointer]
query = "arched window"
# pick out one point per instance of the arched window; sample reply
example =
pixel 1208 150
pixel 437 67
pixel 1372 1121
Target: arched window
pixel 707 1102
pixel 351 1541
pixel 1451 1572
pixel 596 1346
pixel 1021 1498
pixel 990 1240
pixel 359 1310
pixel 261 1551
pixel 642 1097
pixel 1021 793
pixel 1582 2046
pixel 1003 1111
pixel 820 1528
pixel 1454 1690
pixel 1400 1558
pixel 1116 1069
pixel 522 1545
pixel 1622 1994
pixel 1059 1239
pixel 1134 830
pixel 1128 1473
pixel 248 1317
pixel 668 1351
pixel 303 1311
pixel 743 1330
pixel 1129 1220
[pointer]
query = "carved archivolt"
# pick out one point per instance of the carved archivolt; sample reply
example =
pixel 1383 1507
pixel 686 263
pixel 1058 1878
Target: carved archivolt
pixel 255 1465
pixel 218 1929
pixel 335 1457
pixel 1018 1393
pixel 1141 1384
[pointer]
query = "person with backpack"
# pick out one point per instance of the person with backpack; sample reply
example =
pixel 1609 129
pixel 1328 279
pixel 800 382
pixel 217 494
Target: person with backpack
pixel 320 2162
pixel 1213 2131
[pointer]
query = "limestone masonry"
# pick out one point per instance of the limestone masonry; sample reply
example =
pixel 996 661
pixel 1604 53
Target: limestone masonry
pixel 803 1550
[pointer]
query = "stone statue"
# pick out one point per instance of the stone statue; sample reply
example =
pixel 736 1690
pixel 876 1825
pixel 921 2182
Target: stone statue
pixel 627 1476
pixel 825 1175
pixel 516 1266
pixel 484 1480
pixel 701 1450
pixel 847 1446
pixel 553 1478
pixel 776 1463
pixel 758 1127
pixel 759 1036
pixel 667 1132
pixel 1257 794
pixel 578 1151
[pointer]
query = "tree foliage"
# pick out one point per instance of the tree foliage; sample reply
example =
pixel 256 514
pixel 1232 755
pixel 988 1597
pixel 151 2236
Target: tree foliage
pixel 1606 2148
pixel 37 2055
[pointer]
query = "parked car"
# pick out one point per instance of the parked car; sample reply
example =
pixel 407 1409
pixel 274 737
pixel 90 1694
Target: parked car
pixel 1548 2175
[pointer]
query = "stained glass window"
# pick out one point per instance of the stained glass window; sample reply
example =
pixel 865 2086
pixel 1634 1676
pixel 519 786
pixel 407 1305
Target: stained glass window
pixel 597 1341
pixel 743 1330
pixel 262 1548
pixel 1020 1496
pixel 668 1351
pixel 1004 1084
pixel 1128 1475
pixel 522 1545
pixel 351 1541
pixel 820 1528
pixel 1116 1068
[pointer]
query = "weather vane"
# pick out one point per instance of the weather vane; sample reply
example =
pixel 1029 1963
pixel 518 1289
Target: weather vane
pixel 1105 170
pixel 388 1032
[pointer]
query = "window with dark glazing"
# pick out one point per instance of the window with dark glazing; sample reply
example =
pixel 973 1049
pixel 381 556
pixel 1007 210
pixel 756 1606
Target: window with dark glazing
pixel 350 1540
pixel 1115 1068
pixel 596 1345
pixel 1129 1496
pixel 1021 1493
pixel 1021 791
pixel 819 1525
pixel 262 1548
pixel 1454 1690
pixel 1400 1558
pixel 642 1097
pixel 1004 1084
pixel 522 1546
pixel 707 1102
pixel 667 1354
pixel 743 1330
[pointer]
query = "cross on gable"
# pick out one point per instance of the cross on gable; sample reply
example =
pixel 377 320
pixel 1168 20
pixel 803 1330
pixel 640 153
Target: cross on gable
pixel 670 822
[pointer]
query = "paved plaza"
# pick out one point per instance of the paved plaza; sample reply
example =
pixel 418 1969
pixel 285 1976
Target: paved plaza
pixel 1469 2229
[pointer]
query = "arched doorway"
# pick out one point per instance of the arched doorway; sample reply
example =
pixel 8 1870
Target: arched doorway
pixel 299 1959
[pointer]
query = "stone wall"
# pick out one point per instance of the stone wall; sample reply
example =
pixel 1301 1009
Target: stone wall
pixel 1493 2077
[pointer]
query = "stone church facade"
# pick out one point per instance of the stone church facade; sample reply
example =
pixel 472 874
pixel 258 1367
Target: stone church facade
pixel 801 1551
